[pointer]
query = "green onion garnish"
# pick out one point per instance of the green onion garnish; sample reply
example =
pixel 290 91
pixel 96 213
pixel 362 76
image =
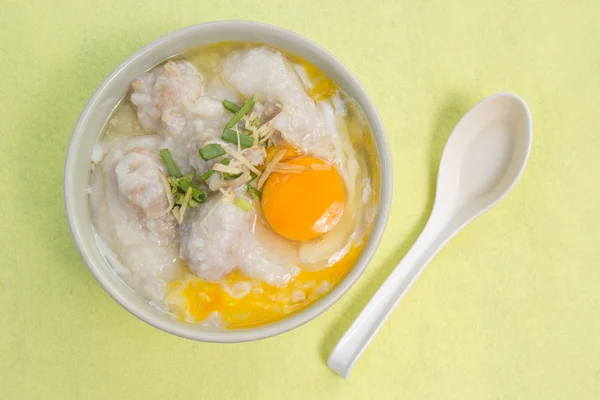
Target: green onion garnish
pixel 211 151
pixel 165 154
pixel 242 111
pixel 210 172
pixel 254 191
pixel 231 136
pixel 255 122
pixel 243 203
pixel 229 106
pixel 198 195
pixel 182 184
pixel 178 198
pixel 206 175
pixel 230 177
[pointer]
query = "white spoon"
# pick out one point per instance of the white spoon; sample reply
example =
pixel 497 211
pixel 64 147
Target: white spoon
pixel 481 163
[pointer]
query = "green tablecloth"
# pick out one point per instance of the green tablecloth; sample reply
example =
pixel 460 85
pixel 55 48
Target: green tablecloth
pixel 509 310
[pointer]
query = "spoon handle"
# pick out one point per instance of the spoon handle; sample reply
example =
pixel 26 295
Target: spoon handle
pixel 372 317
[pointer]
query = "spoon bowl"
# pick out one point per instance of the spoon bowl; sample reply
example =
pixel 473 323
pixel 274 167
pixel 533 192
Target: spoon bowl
pixel 485 155
pixel 483 159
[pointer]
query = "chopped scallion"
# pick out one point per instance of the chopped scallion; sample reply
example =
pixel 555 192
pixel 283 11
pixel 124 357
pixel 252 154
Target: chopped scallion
pixel 210 172
pixel 182 184
pixel 211 151
pixel 231 136
pixel 230 177
pixel 206 175
pixel 178 197
pixel 198 195
pixel 254 191
pixel 165 154
pixel 230 106
pixel 243 203
pixel 242 111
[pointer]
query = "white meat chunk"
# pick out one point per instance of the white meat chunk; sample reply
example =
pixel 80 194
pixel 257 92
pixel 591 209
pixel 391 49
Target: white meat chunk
pixel 166 98
pixel 174 101
pixel 267 73
pixel 128 204
pixel 231 238
pixel 140 183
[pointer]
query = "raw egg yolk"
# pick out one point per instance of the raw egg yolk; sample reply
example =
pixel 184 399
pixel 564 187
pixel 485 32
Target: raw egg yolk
pixel 305 205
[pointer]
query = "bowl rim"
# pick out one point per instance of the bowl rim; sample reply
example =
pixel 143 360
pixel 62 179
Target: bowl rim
pixel 291 321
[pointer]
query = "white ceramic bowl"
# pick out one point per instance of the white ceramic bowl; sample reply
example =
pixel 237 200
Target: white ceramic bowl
pixel 110 92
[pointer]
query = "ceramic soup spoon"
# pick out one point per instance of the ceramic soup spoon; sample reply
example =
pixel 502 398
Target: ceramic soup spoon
pixel 481 163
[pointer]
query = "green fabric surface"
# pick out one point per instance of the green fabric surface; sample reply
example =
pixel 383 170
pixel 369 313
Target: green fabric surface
pixel 510 309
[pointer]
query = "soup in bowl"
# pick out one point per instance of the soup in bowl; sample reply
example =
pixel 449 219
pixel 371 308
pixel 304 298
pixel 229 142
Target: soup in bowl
pixel 236 182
